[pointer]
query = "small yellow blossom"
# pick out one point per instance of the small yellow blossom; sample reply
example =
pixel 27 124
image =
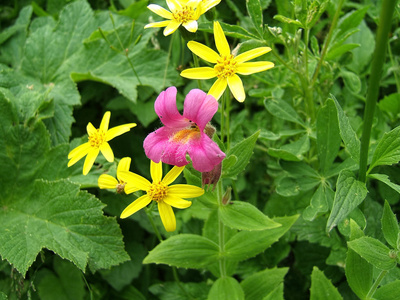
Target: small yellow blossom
pixel 226 65
pixel 97 141
pixel 182 12
pixel 106 181
pixel 159 191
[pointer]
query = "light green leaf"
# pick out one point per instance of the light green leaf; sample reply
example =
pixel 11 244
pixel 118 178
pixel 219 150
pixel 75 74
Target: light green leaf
pixel 321 287
pixel 293 151
pixel 242 151
pixel 328 136
pixel 244 216
pixel 374 252
pixel 226 288
pixel 319 202
pixel 3 296
pixel 390 226
pixel 351 80
pixel 234 31
pixel 184 250
pixel 255 12
pixel 388 150
pixel 339 50
pixel 281 109
pixel 389 291
pixel 246 244
pixel 287 20
pixel 349 194
pixel 178 290
pixel 391 105
pixel 261 284
pixel 347 133
pixel 385 179
pixel 358 271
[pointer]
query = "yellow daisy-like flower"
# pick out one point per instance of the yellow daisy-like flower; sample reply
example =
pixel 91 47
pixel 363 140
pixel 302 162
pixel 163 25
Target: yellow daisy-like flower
pixel 98 141
pixel 159 191
pixel 106 181
pixel 226 66
pixel 182 12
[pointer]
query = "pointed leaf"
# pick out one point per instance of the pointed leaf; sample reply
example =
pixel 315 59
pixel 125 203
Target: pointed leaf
pixel 390 226
pixel 281 109
pixel 389 291
pixel 321 287
pixel 385 179
pixel 255 12
pixel 388 150
pixel 226 288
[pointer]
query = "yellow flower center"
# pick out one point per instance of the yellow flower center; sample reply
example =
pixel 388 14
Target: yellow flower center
pixel 97 138
pixel 185 135
pixel 157 191
pixel 184 15
pixel 226 66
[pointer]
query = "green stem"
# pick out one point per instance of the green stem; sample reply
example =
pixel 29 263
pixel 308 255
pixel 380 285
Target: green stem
pixel 222 119
pixel 373 288
pixel 327 41
pixel 221 233
pixel 196 64
pixel 228 110
pixel 278 57
pixel 305 81
pixel 150 217
pixel 388 7
pixel 168 59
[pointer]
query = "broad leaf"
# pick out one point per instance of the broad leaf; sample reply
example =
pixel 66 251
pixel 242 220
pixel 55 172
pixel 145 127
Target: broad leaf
pixel 255 12
pixel 281 109
pixel 293 151
pixel 226 288
pixel 321 287
pixel 389 291
pixel 184 250
pixel 388 150
pixel 349 194
pixel 385 179
pixel 319 202
pixel 390 226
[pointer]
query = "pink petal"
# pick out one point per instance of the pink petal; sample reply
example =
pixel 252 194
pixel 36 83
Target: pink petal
pixel 155 143
pixel 175 153
pixel 199 107
pixel 205 154
pixel 165 107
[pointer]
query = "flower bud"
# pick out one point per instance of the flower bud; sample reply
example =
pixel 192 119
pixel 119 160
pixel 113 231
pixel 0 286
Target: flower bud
pixel 212 177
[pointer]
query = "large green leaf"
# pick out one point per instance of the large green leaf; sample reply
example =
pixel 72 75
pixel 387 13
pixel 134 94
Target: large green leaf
pixel 321 287
pixel 349 194
pixel 281 109
pixel 226 288
pixel 389 291
pixel 390 226
pixel 255 12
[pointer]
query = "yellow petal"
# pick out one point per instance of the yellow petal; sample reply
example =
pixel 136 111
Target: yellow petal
pixel 107 151
pixel 203 52
pixel 172 26
pixel 162 12
pixel 105 121
pixel 209 4
pixel 167 216
pixel 78 151
pixel 199 73
pixel 118 130
pixel 253 67
pixel 124 165
pixel 90 129
pixel 173 5
pixel 106 181
pixel 236 87
pixel 136 205
pixel 248 55
pixel 157 24
pixel 185 191
pixel 177 202
pixel 89 161
pixel 220 40
pixel 130 188
pixel 135 180
pixel 191 25
pixel 218 88
pixel 172 175
pixel 156 171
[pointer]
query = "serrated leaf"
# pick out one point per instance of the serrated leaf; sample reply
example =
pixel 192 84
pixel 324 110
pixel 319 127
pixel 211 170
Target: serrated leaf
pixel 226 288
pixel 321 287
pixel 247 244
pixel 261 284
pixel 281 109
pixel 349 194
pixel 244 216
pixel 255 12
pixel 359 272
pixel 347 133
pixel 374 252
pixel 242 151
pixel 388 150
pixel 184 250
pixel 389 291
pixel 390 226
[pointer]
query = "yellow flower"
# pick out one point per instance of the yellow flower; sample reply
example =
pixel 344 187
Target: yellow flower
pixel 106 181
pixel 182 12
pixel 226 66
pixel 159 191
pixel 98 139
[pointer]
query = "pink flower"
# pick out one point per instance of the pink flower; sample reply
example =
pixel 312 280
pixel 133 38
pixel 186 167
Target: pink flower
pixel 184 134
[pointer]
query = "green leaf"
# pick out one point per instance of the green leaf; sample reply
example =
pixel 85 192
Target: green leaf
pixel 374 252
pixel 247 244
pixel 359 272
pixel 287 20
pixel 339 50
pixel 385 179
pixel 390 226
pixel 321 287
pixel 293 151
pixel 261 284
pixel 347 133
pixel 184 250
pixel 391 105
pixel 351 80
pixel 178 290
pixel 244 216
pixel 328 136
pixel 389 291
pixel 234 31
pixel 319 202
pixel 242 151
pixel 388 150
pixel 349 194
pixel 281 109
pixel 3 296
pixel 255 12
pixel 226 288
